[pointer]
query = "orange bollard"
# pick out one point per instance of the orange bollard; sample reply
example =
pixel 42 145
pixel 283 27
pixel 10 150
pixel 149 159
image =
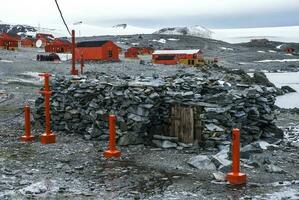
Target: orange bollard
pixel 82 64
pixel 27 137
pixel 112 152
pixel 48 137
pixel 235 177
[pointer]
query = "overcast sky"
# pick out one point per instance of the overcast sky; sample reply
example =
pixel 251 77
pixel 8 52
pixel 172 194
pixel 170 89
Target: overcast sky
pixel 155 13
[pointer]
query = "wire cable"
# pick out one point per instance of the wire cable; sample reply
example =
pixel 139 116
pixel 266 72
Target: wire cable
pixel 63 18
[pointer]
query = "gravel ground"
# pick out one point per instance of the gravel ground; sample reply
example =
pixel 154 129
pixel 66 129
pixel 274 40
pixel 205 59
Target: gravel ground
pixel 74 168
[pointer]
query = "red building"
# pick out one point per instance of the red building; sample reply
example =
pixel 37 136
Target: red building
pixel 28 42
pixel 8 42
pixel 146 51
pixel 45 38
pixel 132 52
pixel 289 50
pixel 173 57
pixel 59 46
pixel 97 50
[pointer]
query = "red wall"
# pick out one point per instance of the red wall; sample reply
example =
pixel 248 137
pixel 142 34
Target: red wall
pixel 58 46
pixel 8 41
pixel 99 53
pixel 28 43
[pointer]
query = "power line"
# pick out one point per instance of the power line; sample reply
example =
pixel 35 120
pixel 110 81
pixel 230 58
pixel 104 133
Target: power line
pixel 62 18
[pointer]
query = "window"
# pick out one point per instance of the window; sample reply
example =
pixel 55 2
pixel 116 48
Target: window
pixel 110 54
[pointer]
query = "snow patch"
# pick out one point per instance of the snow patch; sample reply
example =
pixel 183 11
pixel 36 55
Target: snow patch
pixel 64 56
pixel 6 61
pixel 283 60
pixel 173 39
pixel 272 51
pixel 279 46
pixel 163 41
pixel 261 51
pixel 226 48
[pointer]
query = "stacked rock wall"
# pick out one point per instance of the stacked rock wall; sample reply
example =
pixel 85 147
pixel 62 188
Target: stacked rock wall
pixel 142 106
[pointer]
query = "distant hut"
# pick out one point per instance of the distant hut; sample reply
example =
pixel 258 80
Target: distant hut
pixel 172 57
pixel 8 42
pixel 146 50
pixel 45 38
pixel 289 50
pixel 132 53
pixel 28 42
pixel 59 46
pixel 97 50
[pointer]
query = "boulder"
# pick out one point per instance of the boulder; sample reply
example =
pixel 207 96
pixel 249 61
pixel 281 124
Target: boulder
pixel 202 162
pixel 221 158
pixel 287 89
pixel 274 169
pixel 261 79
pixel 130 139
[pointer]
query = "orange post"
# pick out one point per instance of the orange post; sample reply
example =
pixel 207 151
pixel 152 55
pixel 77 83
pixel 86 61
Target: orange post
pixel 73 70
pixel 112 152
pixel 27 137
pixel 48 137
pixel 82 64
pixel 235 177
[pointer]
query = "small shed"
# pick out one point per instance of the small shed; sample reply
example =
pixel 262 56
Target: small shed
pixel 146 50
pixel 59 46
pixel 289 50
pixel 8 42
pixel 173 57
pixel 28 42
pixel 97 50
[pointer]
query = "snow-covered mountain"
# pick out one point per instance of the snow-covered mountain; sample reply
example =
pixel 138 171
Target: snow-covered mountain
pixel 120 29
pixel 18 29
pixel 198 31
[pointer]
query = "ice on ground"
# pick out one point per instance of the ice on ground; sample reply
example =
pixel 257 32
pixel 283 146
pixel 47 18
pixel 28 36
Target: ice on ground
pixel 33 74
pixel 244 63
pixel 226 48
pixel 272 51
pixel 6 61
pixel 261 51
pixel 277 60
pixel 64 56
pixel 279 46
pixel 163 41
pixel 289 100
pixel 173 39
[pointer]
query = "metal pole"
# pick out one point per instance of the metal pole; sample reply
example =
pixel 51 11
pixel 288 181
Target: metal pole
pixel 73 71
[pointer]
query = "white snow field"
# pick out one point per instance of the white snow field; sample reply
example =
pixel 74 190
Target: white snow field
pixel 282 34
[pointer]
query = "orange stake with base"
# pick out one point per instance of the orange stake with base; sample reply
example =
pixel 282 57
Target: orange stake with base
pixel 27 137
pixel 235 177
pixel 112 152
pixel 48 137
